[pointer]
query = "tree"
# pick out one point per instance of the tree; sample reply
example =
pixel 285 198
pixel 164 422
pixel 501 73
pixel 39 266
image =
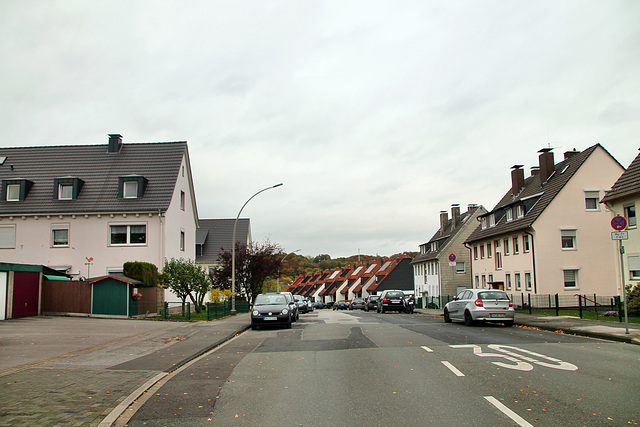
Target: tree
pixel 146 272
pixel 633 298
pixel 254 264
pixel 186 279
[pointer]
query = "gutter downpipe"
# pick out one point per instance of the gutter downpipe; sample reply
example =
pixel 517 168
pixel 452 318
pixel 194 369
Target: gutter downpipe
pixel 161 236
pixel 533 262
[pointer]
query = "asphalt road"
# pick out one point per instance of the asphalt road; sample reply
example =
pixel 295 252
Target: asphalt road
pixel 357 368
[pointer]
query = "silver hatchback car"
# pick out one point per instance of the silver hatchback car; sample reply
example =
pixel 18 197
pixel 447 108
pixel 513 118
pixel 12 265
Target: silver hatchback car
pixel 488 305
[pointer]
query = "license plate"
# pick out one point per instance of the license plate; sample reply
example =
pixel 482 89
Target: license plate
pixel 395 301
pixel 270 318
pixel 497 315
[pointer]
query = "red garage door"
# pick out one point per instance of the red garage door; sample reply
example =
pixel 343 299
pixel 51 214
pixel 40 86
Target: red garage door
pixel 26 291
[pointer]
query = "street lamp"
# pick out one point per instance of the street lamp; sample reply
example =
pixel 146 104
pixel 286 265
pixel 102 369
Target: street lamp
pixel 281 261
pixel 233 250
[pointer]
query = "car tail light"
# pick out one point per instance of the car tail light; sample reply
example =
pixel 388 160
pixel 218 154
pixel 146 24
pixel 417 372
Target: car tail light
pixel 479 303
pixel 384 299
pixel 510 303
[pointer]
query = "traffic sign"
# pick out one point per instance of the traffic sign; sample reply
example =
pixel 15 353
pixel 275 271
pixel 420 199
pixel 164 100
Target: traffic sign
pixel 619 223
pixel 452 257
pixel 620 235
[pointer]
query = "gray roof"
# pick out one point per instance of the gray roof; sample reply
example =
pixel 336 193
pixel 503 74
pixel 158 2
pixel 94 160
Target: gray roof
pixel 628 184
pixel 99 170
pixel 536 196
pixel 216 235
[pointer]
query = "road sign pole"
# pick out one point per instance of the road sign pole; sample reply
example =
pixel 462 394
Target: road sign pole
pixel 624 288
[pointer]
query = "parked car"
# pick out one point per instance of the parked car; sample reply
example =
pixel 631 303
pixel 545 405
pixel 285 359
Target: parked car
pixel 391 300
pixel 371 303
pixel 309 305
pixel 318 304
pixel 340 305
pixel 292 303
pixel 357 304
pixel 301 303
pixel 487 305
pixel 271 308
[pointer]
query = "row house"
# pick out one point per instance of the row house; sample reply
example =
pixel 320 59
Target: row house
pixel 87 209
pixel 549 234
pixel 622 200
pixel 434 274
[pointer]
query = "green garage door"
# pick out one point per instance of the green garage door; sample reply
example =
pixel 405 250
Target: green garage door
pixel 110 297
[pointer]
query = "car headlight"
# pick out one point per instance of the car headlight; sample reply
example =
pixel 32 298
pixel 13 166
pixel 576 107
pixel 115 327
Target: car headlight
pixel 255 312
pixel 285 311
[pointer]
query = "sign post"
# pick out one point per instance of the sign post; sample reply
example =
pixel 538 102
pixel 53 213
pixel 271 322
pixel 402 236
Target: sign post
pixel 619 223
pixel 452 263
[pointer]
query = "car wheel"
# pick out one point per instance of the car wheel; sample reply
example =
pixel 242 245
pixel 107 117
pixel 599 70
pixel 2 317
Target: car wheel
pixel 508 323
pixel 468 319
pixel 447 318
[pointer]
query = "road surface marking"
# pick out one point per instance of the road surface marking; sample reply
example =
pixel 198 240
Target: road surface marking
pixel 508 412
pixel 452 368
pixel 522 362
pixel 427 349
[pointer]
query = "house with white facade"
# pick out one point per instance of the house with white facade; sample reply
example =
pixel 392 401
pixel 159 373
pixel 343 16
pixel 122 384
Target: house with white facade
pixel 214 236
pixel 434 272
pixel 549 234
pixel 87 209
pixel 622 200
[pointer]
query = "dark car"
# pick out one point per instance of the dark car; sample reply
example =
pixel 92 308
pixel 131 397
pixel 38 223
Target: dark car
pixel 301 303
pixel 340 305
pixel 292 303
pixel 371 303
pixel 271 309
pixel 357 304
pixel 391 300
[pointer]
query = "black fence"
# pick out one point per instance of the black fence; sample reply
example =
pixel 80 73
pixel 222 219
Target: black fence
pixel 583 306
pixel 210 311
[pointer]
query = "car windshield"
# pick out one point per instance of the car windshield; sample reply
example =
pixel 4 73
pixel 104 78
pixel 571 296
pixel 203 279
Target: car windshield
pixel 270 299
pixel 373 298
pixel 492 295
pixel 358 300
pixel 395 295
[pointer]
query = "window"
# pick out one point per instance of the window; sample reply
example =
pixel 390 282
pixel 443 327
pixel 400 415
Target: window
pixel 496 245
pixel 518 283
pixel 509 214
pixel 7 236
pixel 506 247
pixel 634 266
pixel 492 220
pixel 130 190
pixel 591 199
pixel 484 281
pixel 489 251
pixel 182 200
pixel 477 282
pixel 60 235
pixel 128 234
pixel 568 240
pixel 527 281
pixel 571 279
pixel 630 214
pixel 181 240
pixel 13 192
pixel 482 251
pixel 475 252
pixel 507 279
pixel 434 246
pixel 519 211
pixel 490 278
pixel 483 222
pixel 516 246
pixel 525 243
pixel 460 267
pixel 65 192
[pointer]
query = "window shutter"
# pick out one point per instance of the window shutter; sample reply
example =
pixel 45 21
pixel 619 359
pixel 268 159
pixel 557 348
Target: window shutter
pixel 634 262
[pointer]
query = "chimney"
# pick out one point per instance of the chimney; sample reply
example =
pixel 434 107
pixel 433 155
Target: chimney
pixel 115 143
pixel 547 165
pixel 444 220
pixel 455 214
pixel 535 170
pixel 570 154
pixel 517 179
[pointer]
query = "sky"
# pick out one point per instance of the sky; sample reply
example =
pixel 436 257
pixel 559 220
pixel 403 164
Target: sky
pixel 375 115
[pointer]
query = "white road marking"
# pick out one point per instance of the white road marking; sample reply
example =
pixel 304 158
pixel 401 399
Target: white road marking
pixel 427 349
pixel 452 368
pixel 508 412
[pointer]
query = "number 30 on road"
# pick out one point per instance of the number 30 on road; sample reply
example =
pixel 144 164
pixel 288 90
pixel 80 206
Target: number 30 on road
pixel 522 359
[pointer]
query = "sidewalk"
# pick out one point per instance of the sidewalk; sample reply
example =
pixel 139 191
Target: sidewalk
pixel 614 331
pixel 87 371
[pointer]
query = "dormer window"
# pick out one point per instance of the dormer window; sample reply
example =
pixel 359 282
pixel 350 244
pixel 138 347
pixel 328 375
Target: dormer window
pixel 67 188
pixel 484 222
pixel 509 214
pixel 131 186
pixel 492 220
pixel 15 190
pixel 519 211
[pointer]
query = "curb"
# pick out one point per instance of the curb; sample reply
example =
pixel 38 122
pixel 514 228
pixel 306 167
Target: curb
pixel 589 334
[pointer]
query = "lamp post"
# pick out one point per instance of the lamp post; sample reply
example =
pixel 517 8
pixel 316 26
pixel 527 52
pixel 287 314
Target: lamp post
pixel 233 250
pixel 281 261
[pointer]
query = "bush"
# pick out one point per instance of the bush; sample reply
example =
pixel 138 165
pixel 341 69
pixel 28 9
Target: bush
pixel 146 272
pixel 633 298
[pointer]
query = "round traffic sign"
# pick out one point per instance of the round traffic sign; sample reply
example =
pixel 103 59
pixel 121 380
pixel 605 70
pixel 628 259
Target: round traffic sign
pixel 619 223
pixel 452 258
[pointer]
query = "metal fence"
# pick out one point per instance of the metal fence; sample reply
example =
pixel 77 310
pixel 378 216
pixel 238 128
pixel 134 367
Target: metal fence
pixel 210 311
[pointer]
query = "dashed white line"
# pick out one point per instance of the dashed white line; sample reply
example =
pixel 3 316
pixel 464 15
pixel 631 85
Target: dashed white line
pixel 452 368
pixel 427 349
pixel 508 412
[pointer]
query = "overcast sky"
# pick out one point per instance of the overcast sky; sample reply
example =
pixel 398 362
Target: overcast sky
pixel 376 115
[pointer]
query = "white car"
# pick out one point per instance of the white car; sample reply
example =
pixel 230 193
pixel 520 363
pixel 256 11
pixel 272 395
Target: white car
pixel 487 305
